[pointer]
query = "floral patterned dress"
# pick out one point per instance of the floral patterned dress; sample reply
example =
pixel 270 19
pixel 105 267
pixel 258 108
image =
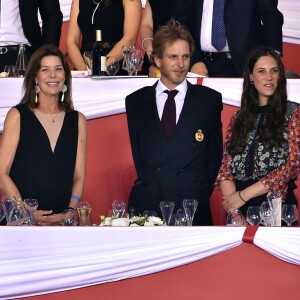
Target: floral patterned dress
pixel 276 168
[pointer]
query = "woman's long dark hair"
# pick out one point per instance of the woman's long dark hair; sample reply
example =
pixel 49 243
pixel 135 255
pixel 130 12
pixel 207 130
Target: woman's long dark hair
pixel 271 133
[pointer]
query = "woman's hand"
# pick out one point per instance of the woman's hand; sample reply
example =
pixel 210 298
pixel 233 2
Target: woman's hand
pixel 44 218
pixel 232 201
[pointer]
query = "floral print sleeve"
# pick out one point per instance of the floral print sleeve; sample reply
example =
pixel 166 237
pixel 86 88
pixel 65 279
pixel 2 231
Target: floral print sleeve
pixel 278 179
pixel 225 172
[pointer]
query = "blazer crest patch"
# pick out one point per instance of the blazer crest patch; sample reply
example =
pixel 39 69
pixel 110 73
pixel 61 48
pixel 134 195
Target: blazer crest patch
pixel 199 136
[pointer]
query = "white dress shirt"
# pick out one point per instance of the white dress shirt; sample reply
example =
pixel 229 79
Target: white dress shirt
pixel 11 29
pixel 161 98
pixel 206 28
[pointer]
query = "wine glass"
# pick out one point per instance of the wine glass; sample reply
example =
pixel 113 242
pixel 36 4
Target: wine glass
pixel 253 215
pixel 118 208
pixel 31 206
pixel 84 210
pixel 180 217
pixel 88 59
pixel 112 65
pixel 69 218
pixel 125 52
pixel 289 214
pixel 190 206
pixel 234 218
pixel 135 59
pixel 266 213
pixel 167 208
pixel 10 70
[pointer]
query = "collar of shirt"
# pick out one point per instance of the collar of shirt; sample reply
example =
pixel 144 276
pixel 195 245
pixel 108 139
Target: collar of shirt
pixel 161 98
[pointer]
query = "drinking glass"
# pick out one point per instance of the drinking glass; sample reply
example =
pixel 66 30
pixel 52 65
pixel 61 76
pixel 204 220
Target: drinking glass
pixel 135 59
pixel 118 208
pixel 167 208
pixel 289 214
pixel 84 210
pixel 190 206
pixel 112 65
pixel 2 215
pixel 10 70
pixel 266 213
pixel 125 52
pixel 253 215
pixel 150 213
pixel 31 206
pixel 234 218
pixel 88 59
pixel 69 218
pixel 180 217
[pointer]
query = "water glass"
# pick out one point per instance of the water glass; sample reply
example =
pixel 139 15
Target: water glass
pixel 180 218
pixel 289 214
pixel 31 206
pixel 112 65
pixel 69 218
pixel 190 207
pixel 234 218
pixel 118 208
pixel 253 215
pixel 167 208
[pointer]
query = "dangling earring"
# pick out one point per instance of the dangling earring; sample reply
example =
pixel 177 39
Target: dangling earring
pixel 37 90
pixel 63 90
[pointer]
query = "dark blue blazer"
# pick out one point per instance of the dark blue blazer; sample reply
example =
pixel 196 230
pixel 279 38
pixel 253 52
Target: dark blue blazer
pixel 248 24
pixel 181 167
pixel 51 18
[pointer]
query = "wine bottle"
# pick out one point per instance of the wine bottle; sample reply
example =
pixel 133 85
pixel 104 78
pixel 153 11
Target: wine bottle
pixel 99 56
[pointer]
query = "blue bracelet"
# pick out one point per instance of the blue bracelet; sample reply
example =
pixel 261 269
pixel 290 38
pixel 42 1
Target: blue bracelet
pixel 76 197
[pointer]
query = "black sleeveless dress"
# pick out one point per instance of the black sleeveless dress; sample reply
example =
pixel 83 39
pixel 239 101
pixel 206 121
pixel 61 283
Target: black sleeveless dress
pixel 109 19
pixel 162 13
pixel 37 171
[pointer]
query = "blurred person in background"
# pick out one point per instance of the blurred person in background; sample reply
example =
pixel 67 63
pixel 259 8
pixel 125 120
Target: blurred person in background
pixel 119 21
pixel 19 24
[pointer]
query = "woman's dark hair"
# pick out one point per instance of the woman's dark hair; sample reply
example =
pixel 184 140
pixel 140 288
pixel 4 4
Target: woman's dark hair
pixel 33 68
pixel 271 132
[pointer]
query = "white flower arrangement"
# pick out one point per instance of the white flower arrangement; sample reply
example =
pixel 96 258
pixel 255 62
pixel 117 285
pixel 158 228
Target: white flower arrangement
pixel 133 221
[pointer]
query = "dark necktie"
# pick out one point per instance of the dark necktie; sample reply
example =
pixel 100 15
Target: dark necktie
pixel 168 119
pixel 218 36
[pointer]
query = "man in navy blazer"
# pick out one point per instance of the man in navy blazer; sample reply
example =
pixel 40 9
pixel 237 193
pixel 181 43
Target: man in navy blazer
pixel 20 25
pixel 185 164
pixel 248 24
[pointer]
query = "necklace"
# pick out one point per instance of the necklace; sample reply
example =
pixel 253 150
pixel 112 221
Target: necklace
pixel 97 5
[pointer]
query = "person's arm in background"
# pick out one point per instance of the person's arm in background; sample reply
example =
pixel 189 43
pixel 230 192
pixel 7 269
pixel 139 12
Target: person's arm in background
pixel 184 11
pixel 132 22
pixel 272 20
pixel 52 19
pixel 74 38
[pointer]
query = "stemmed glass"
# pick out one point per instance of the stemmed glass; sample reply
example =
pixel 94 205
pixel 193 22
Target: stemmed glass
pixel 289 214
pixel 31 206
pixel 88 59
pixel 253 215
pixel 125 52
pixel 167 208
pixel 135 59
pixel 10 70
pixel 180 217
pixel 112 65
pixel 234 218
pixel 84 210
pixel 190 206
pixel 118 208
pixel 266 213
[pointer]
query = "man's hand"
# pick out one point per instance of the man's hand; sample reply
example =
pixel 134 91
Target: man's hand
pixel 200 69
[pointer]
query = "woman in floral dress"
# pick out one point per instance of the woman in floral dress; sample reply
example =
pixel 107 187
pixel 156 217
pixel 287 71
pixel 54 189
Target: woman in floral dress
pixel 262 147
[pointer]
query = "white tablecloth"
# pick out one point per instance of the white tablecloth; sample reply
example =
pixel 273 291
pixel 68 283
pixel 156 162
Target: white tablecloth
pixel 39 260
pixel 97 97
